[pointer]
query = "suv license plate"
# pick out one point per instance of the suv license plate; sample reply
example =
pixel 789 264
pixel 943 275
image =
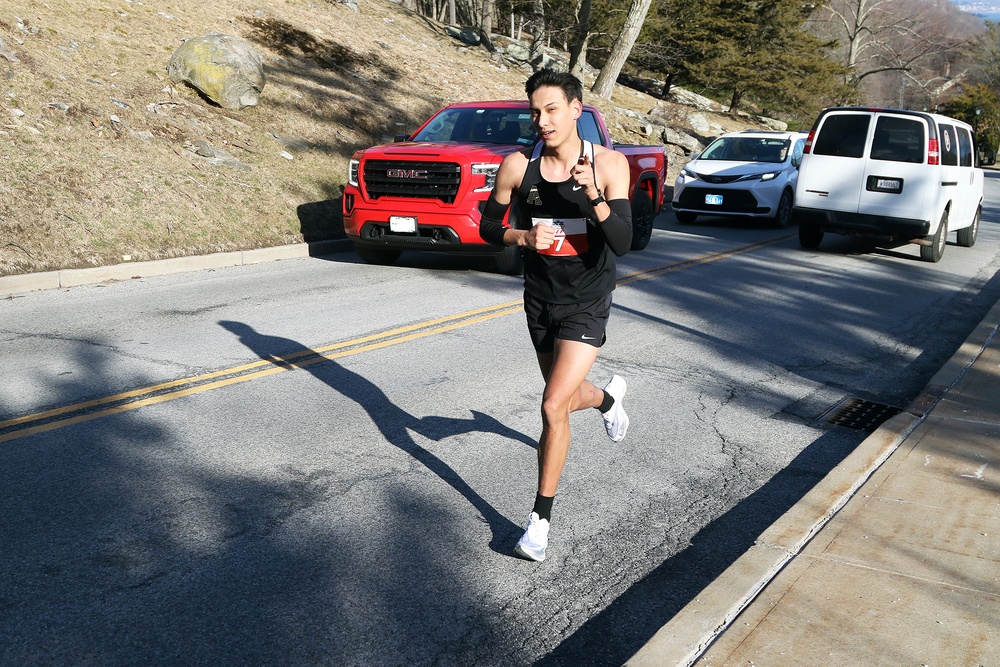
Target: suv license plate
pixel 402 224
pixel 714 200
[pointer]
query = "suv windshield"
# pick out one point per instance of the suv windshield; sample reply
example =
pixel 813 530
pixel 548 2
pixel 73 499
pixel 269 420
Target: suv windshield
pixel 747 149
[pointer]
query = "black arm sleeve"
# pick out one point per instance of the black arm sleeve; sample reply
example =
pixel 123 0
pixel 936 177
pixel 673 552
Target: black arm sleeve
pixel 618 226
pixel 491 227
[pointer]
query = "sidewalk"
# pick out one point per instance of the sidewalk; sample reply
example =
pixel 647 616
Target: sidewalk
pixel 892 559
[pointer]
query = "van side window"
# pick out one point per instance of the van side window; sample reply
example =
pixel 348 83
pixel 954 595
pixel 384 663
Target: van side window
pixel 898 140
pixel 949 146
pixel 964 147
pixel 843 135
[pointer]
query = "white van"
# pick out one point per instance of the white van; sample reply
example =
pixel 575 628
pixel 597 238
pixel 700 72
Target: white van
pixel 890 175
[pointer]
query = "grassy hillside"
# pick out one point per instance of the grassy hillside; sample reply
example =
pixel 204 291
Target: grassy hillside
pixel 101 156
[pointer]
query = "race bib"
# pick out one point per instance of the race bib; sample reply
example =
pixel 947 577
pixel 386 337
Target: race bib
pixel 571 236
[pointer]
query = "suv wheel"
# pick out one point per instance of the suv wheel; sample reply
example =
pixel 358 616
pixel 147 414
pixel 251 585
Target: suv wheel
pixel 967 237
pixel 933 252
pixel 810 236
pixel 783 214
pixel 642 219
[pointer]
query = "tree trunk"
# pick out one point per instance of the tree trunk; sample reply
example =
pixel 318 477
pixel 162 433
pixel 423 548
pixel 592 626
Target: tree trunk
pixel 581 36
pixel 667 85
pixel 486 27
pixel 734 102
pixel 535 56
pixel 623 47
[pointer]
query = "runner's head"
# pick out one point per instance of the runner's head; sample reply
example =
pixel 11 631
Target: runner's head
pixel 566 82
pixel 555 99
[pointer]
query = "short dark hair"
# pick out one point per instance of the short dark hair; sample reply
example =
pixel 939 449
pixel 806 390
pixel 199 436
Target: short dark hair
pixel 569 84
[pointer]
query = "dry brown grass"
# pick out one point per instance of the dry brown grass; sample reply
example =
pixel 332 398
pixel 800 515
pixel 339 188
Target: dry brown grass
pixel 98 164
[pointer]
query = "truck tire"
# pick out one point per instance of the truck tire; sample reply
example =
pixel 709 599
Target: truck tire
pixel 810 236
pixel 933 252
pixel 967 237
pixel 642 219
pixel 382 256
pixel 510 261
pixel 783 214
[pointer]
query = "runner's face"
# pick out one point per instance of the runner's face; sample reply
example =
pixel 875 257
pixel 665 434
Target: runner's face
pixel 553 116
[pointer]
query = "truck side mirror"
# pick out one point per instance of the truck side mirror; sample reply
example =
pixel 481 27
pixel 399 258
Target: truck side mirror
pixel 401 137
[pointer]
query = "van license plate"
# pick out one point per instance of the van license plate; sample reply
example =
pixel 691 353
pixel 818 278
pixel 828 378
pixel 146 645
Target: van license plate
pixel 885 184
pixel 714 200
pixel 402 224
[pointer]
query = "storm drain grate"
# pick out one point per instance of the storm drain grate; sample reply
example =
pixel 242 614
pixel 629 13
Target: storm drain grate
pixel 859 414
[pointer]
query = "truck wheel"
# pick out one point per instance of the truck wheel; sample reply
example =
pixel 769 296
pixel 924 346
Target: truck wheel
pixel 685 217
pixel 642 219
pixel 810 236
pixel 933 252
pixel 783 214
pixel 967 237
pixel 382 256
pixel 510 261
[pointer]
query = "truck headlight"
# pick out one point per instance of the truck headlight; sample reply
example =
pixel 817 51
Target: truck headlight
pixel 352 172
pixel 489 170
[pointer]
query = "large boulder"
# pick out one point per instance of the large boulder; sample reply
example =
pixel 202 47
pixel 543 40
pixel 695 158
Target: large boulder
pixel 226 69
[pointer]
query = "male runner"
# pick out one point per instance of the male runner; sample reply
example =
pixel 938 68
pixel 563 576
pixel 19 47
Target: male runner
pixel 576 196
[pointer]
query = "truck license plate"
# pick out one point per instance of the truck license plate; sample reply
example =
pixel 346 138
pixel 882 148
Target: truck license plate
pixel 714 200
pixel 402 224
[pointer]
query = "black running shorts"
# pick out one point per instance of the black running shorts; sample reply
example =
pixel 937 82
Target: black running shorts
pixel 585 322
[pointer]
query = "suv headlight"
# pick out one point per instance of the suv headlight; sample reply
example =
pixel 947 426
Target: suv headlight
pixel 690 174
pixel 352 172
pixel 489 170
pixel 769 176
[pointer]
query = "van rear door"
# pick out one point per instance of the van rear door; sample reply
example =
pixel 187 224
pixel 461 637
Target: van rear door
pixel 836 153
pixel 897 181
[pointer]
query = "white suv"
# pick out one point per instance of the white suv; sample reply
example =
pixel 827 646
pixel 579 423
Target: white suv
pixel 748 174
pixel 889 175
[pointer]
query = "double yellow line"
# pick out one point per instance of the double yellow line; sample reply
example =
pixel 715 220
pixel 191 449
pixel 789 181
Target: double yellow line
pixel 48 420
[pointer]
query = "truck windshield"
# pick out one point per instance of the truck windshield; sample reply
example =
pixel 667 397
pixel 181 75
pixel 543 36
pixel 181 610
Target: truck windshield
pixel 747 149
pixel 495 126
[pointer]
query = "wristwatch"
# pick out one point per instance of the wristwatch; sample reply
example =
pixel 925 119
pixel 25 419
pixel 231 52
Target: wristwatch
pixel 600 198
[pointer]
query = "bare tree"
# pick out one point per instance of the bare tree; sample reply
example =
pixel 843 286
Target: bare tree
pixel 623 47
pixel 876 37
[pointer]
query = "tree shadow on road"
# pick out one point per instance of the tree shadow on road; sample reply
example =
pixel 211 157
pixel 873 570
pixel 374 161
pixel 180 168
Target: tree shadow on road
pixel 395 424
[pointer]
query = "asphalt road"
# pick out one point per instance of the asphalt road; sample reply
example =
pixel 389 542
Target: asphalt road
pixel 317 461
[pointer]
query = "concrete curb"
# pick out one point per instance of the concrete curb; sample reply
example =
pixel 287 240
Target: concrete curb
pixel 684 638
pixel 30 282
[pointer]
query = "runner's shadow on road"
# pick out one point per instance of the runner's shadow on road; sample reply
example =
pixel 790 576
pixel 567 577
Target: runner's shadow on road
pixel 394 423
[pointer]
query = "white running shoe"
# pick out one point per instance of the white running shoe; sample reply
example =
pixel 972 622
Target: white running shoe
pixel 536 537
pixel 615 419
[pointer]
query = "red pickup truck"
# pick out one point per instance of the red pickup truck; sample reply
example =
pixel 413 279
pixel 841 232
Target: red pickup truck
pixel 424 192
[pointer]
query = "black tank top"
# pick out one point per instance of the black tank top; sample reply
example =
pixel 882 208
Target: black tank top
pixel 580 266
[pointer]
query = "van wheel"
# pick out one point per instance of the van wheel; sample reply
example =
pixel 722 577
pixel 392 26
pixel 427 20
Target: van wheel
pixel 783 214
pixel 810 236
pixel 933 252
pixel 967 237
pixel 642 219
pixel 510 261
pixel 377 255
pixel 686 218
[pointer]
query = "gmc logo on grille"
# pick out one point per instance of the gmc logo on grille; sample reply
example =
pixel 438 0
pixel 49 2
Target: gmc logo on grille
pixel 407 173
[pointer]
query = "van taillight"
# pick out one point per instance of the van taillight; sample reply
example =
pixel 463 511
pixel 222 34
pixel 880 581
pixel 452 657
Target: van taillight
pixel 933 156
pixel 809 142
